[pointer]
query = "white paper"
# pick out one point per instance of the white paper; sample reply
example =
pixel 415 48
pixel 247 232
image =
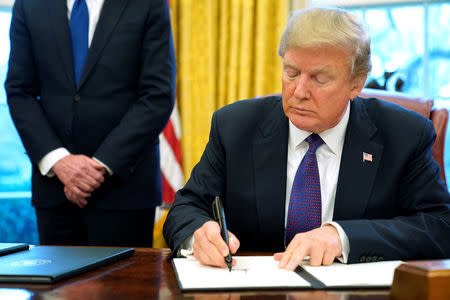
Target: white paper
pixel 249 272
pixel 376 274
pixel 253 272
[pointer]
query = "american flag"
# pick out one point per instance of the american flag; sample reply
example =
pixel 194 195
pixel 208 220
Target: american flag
pixel 367 156
pixel 171 171
pixel 171 159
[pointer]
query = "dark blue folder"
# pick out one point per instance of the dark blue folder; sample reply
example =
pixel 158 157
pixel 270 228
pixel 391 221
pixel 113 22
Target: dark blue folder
pixel 48 264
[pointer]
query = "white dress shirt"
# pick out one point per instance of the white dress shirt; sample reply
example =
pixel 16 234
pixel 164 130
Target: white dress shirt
pixel 328 161
pixel 50 159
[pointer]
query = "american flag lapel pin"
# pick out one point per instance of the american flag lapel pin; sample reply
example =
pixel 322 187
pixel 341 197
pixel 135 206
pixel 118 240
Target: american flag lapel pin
pixel 367 157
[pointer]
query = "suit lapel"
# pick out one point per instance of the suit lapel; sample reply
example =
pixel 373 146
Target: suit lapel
pixel 356 175
pixel 58 16
pixel 110 15
pixel 270 154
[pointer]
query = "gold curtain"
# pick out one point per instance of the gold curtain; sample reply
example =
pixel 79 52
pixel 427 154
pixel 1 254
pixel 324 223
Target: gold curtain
pixel 226 50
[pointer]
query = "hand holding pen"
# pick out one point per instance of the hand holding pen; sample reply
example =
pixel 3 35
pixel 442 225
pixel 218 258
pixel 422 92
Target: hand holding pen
pixel 209 246
pixel 219 216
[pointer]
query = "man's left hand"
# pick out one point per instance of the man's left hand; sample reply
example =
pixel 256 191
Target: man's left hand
pixel 322 245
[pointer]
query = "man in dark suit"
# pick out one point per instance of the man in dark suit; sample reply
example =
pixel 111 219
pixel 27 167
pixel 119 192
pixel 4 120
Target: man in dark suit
pixel 90 86
pixel 368 163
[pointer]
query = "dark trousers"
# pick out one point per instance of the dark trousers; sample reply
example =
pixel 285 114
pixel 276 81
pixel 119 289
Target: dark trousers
pixel 71 225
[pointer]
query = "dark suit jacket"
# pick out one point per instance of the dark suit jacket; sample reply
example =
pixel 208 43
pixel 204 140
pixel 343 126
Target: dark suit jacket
pixel 395 207
pixel 123 101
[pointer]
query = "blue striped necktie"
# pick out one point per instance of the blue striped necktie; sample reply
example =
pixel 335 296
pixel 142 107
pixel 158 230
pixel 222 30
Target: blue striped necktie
pixel 79 31
pixel 305 203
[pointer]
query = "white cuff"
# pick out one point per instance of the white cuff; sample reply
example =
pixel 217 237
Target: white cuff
pixel 344 242
pixel 110 172
pixel 46 164
pixel 186 249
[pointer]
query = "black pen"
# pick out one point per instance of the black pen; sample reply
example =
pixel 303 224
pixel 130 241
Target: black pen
pixel 219 215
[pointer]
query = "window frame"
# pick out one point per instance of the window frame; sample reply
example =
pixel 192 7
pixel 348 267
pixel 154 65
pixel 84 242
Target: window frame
pixel 6 3
pixel 369 4
pixel 366 3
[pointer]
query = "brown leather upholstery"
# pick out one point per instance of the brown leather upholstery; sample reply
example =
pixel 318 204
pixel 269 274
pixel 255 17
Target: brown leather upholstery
pixel 439 117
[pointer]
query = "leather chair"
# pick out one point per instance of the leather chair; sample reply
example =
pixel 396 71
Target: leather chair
pixel 439 117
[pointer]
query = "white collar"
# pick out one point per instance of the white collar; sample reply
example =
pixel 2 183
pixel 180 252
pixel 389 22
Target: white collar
pixel 333 137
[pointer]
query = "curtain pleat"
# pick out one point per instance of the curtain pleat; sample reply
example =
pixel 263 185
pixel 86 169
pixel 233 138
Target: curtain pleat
pixel 226 50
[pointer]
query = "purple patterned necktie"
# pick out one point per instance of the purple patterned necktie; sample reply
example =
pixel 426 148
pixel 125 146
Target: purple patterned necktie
pixel 305 205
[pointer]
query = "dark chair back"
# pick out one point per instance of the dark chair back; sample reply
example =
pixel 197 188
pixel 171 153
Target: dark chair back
pixel 439 117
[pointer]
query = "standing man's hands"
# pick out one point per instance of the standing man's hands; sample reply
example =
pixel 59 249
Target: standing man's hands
pixel 81 175
pixel 322 245
pixel 209 246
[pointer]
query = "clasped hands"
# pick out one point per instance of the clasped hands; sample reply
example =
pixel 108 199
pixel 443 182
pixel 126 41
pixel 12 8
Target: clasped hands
pixel 81 175
pixel 322 245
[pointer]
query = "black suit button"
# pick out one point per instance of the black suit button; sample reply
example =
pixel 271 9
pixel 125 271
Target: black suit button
pixel 76 98
pixel 374 258
pixel 362 259
pixel 368 259
pixel 380 258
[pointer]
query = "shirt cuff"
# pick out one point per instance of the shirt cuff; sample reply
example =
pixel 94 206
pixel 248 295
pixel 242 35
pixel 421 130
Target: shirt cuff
pixel 185 249
pixel 46 164
pixel 110 172
pixel 344 242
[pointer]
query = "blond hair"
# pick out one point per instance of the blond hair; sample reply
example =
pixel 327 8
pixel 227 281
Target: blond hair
pixel 317 27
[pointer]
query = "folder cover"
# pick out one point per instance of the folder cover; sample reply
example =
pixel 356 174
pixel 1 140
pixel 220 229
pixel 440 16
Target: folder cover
pixel 49 264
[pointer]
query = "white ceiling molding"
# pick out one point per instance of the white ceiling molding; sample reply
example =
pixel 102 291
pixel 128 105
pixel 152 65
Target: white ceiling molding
pixel 6 3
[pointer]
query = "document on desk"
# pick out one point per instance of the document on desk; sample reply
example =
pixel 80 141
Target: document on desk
pixel 262 272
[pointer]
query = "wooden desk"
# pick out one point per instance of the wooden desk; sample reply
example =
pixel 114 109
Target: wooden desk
pixel 148 275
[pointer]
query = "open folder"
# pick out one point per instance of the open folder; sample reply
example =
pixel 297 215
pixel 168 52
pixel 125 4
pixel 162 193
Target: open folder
pixel 262 272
